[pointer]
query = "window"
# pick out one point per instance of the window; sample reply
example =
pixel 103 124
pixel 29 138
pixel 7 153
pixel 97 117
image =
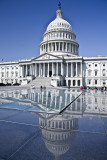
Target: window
pixel 89 73
pixel 12 73
pixel 104 83
pixel 104 72
pixel 95 81
pixel 89 81
pixel 16 74
pixel 89 65
pixel 103 65
pixel 53 46
pixel 57 46
pixel 95 65
pixel 78 82
pixel 68 47
pixel 64 46
pixel 66 35
pixel 7 74
pixel 95 73
pixel 60 46
pixel 2 74
pixel 73 82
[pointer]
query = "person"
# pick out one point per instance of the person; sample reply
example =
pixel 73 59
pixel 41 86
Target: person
pixel 32 87
pixel 80 87
pixel 41 87
pixel 102 89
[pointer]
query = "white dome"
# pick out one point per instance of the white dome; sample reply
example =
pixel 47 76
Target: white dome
pixel 59 23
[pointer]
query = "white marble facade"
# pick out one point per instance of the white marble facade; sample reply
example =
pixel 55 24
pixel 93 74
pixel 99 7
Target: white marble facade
pixel 59 59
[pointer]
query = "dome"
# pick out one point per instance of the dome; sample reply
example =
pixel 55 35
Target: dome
pixel 59 22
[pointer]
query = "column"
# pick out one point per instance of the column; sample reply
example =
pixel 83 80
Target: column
pixel 52 47
pixel 39 69
pixel 26 69
pixel 70 47
pixel 74 48
pixel 35 70
pixel 48 71
pixel 43 69
pixel 71 69
pixel 55 47
pixel 76 70
pixel 62 46
pixel 32 69
pixel 66 47
pixel 45 48
pixel 21 71
pixel 48 48
pixel 81 69
pixel 59 46
pixel 52 69
pixel 62 69
pixel 57 69
pixel 67 69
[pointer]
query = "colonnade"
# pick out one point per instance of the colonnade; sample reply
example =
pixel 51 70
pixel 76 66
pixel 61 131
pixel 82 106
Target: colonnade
pixel 50 69
pixel 59 47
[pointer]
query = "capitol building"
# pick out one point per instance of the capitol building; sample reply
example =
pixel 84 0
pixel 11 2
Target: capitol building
pixel 59 63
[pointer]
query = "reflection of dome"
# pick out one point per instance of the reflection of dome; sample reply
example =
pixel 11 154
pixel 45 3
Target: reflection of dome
pixel 57 133
pixel 58 142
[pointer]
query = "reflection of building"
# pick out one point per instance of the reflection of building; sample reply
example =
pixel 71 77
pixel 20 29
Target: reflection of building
pixel 59 62
pixel 57 132
pixel 89 103
pixel 45 99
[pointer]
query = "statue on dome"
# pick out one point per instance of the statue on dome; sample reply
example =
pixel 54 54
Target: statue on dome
pixel 59 5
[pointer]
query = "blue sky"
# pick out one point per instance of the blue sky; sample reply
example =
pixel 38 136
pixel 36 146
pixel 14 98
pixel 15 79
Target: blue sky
pixel 23 22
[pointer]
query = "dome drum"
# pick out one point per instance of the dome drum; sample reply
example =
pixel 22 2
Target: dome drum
pixel 59 46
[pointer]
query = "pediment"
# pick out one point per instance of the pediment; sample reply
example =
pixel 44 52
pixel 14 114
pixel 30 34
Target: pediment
pixel 46 56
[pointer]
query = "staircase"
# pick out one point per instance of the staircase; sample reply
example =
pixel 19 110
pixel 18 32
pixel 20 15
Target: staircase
pixel 41 81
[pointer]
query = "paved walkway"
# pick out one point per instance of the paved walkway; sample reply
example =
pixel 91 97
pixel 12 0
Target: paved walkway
pixel 79 133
